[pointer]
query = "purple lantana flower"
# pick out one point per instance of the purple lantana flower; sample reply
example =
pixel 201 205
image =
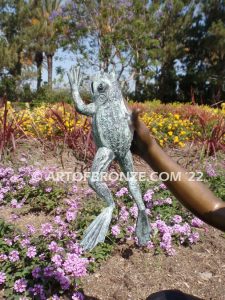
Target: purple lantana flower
pixel 14 256
pixel 177 219
pixel 31 251
pixel 20 285
pixel 46 229
pixel 115 230
pixel 123 191
pixel 196 222
pixel 2 277
pixel 78 296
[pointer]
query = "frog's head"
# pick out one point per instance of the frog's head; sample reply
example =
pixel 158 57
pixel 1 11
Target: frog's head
pixel 102 83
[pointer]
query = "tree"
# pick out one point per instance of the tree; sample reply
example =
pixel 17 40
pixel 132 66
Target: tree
pixel 143 44
pixel 97 33
pixel 12 20
pixel 173 18
pixel 8 55
pixel 205 58
pixel 46 30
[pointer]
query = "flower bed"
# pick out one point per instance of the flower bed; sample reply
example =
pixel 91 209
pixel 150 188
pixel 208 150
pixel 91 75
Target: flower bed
pixel 172 124
pixel 48 262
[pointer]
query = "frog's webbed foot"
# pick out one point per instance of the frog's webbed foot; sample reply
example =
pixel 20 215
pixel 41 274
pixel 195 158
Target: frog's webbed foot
pixel 97 230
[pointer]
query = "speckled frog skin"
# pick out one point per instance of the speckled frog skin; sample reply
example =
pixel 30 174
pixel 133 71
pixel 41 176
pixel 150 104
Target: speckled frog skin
pixel 113 135
pixel 111 122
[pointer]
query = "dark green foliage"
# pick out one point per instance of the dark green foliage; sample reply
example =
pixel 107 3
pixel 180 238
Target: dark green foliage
pixel 5 229
pixel 40 201
pixel 8 88
pixel 37 198
pixel 87 214
pixel 217 184
pixel 47 95
pixel 174 49
pixel 204 44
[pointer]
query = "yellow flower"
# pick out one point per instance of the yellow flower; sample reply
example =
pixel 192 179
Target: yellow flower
pixel 170 133
pixel 181 144
pixel 67 124
pixel 176 139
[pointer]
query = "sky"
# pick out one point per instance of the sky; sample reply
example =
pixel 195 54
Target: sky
pixel 66 60
pixel 62 59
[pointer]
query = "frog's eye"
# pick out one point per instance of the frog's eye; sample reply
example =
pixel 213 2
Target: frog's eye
pixel 101 87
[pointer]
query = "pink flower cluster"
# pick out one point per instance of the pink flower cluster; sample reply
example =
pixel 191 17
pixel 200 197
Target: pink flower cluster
pixel 181 232
pixel 2 278
pixel 167 234
pixel 20 285
pixel 210 170
pixel 196 222
pixel 66 262
pixel 115 230
pixel 72 210
pixel 61 258
pixel 12 181
pixel 123 191
pixel 148 195
pixel 123 214
pixel 150 202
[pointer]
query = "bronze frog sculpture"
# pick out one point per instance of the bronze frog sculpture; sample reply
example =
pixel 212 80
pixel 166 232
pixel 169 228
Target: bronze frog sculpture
pixel 113 135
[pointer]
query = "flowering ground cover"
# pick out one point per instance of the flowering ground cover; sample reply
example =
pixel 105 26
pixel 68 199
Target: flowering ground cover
pixel 177 124
pixel 47 262
pixel 172 125
pixel 44 260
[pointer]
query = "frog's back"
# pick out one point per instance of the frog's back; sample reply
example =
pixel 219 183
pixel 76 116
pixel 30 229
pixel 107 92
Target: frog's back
pixel 111 127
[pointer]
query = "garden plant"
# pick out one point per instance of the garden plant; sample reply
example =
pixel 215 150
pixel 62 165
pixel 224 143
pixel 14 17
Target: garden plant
pixel 168 57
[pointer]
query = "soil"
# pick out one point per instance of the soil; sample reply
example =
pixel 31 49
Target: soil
pixel 131 273
pixel 198 271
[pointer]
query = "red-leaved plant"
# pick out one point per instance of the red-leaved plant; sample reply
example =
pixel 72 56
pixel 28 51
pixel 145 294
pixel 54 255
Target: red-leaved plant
pixel 10 129
pixel 77 137
pixel 212 136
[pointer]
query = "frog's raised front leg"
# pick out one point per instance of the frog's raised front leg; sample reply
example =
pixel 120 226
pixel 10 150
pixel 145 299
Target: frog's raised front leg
pixel 142 225
pixel 75 79
pixel 97 230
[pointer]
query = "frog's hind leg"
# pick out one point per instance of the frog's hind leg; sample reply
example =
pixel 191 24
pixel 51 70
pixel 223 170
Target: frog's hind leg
pixel 97 230
pixel 142 225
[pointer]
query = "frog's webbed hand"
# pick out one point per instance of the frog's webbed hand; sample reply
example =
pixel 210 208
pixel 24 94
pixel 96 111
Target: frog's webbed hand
pixel 75 79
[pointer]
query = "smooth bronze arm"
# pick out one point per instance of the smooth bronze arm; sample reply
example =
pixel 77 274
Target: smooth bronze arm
pixel 192 194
